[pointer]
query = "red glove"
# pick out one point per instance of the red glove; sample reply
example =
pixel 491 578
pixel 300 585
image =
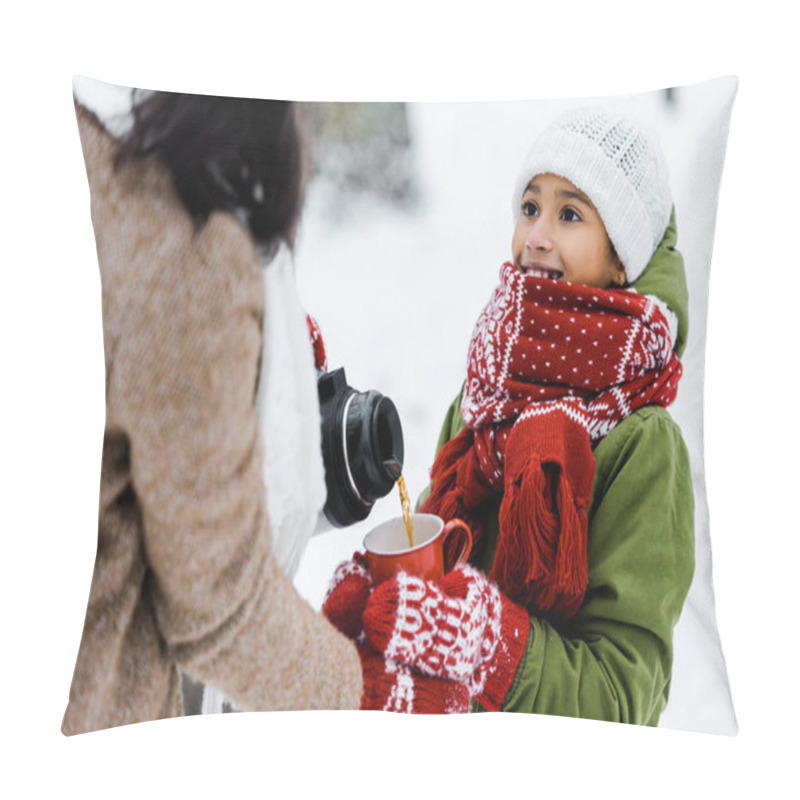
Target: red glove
pixel 347 596
pixel 390 686
pixel 462 628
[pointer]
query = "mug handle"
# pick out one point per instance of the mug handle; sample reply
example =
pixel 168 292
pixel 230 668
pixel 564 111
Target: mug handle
pixel 456 529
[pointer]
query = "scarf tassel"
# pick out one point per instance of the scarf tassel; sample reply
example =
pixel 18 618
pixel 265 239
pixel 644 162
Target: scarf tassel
pixel 457 467
pixel 541 549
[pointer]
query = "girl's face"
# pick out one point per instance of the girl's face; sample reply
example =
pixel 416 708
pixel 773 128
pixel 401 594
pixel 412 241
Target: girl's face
pixel 561 236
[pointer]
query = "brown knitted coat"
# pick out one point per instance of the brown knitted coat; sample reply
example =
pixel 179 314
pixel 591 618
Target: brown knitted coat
pixel 184 577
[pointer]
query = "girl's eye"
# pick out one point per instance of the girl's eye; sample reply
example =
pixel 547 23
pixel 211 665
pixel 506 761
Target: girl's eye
pixel 529 209
pixel 570 215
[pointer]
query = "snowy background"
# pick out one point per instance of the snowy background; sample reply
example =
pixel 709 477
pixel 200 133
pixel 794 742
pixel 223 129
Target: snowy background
pixel 397 289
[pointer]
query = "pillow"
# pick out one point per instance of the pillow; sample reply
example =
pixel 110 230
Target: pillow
pixel 404 227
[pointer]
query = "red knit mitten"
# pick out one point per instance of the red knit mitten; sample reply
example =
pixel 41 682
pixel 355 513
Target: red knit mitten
pixel 390 686
pixel 462 628
pixel 347 596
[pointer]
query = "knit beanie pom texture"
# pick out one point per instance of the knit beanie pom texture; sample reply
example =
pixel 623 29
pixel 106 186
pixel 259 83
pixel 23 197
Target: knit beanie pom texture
pixel 619 166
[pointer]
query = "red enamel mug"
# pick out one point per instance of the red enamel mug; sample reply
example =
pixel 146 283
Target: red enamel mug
pixel 437 547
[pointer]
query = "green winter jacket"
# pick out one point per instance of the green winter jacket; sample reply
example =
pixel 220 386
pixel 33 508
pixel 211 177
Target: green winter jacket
pixel 613 659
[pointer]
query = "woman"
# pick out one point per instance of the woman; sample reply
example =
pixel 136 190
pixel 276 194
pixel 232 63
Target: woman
pixel 191 197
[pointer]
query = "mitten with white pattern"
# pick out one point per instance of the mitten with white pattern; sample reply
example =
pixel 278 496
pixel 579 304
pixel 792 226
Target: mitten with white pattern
pixel 462 628
pixel 391 686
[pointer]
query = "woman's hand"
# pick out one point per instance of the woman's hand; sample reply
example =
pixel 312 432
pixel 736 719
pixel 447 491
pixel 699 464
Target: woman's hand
pixel 462 628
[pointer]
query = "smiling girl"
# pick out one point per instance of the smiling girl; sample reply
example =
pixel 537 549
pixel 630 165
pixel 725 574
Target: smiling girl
pixel 559 451
pixel 560 235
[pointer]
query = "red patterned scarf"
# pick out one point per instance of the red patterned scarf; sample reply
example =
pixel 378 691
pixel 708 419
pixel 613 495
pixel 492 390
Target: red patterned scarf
pixel 552 368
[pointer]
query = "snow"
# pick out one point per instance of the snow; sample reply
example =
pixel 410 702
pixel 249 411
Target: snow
pixel 397 293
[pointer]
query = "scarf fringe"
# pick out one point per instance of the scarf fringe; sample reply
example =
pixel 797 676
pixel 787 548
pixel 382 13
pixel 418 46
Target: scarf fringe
pixel 457 467
pixel 541 550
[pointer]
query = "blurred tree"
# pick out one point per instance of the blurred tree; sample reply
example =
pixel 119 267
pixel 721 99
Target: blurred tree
pixel 361 149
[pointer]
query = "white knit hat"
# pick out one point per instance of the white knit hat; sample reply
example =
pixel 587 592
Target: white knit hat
pixel 622 170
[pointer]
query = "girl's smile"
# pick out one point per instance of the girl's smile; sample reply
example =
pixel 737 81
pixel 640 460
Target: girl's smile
pixel 540 270
pixel 560 236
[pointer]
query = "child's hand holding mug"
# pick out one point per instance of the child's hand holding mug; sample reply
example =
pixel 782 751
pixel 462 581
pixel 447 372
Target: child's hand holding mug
pixel 437 549
pixel 390 684
pixel 461 627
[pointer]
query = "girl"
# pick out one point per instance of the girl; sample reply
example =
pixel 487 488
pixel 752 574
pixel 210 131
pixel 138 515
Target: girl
pixel 560 454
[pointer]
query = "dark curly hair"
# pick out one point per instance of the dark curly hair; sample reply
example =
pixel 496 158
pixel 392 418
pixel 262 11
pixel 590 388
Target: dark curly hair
pixel 228 153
